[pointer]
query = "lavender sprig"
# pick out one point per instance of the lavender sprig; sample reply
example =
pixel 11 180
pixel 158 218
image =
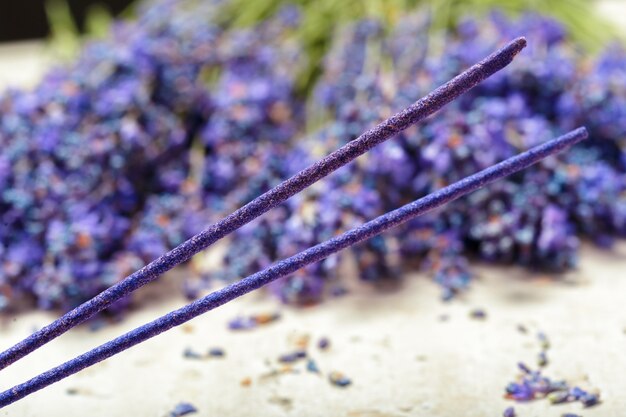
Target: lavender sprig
pixel 292 264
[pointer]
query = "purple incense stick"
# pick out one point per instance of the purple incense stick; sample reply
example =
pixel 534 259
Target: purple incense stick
pixel 272 198
pixel 292 264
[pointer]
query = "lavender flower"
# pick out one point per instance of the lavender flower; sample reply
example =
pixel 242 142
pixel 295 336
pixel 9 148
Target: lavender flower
pixel 183 409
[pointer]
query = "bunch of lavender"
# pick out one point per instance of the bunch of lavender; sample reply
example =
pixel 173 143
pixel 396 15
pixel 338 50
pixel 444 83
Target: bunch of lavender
pixel 533 219
pixel 80 151
pixel 82 203
pixel 582 193
pixel 217 112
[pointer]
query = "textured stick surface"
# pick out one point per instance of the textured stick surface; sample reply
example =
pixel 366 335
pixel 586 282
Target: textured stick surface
pixel 272 198
pixel 289 265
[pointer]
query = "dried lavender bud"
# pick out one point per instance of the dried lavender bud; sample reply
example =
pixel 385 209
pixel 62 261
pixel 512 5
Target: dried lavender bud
pixel 250 322
pixel 217 352
pixel 524 368
pixel 242 323
pixel 323 343
pixel 183 409
pixel 558 397
pixel 558 386
pixel 520 392
pixel 339 379
pixel 542 359
pixel 478 314
pixel 509 412
pixel 589 400
pixel 311 366
pixel 338 291
pixel 292 357
pixel 577 393
pixel 191 354
pixel 543 340
pixel 266 318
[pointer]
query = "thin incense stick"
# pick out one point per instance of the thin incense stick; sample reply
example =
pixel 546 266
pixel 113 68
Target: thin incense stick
pixel 272 198
pixel 292 264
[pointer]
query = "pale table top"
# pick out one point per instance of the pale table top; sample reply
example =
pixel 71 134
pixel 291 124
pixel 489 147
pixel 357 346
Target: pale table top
pixel 402 358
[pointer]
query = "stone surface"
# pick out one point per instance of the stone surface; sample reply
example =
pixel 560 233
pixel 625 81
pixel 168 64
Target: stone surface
pixel 402 358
